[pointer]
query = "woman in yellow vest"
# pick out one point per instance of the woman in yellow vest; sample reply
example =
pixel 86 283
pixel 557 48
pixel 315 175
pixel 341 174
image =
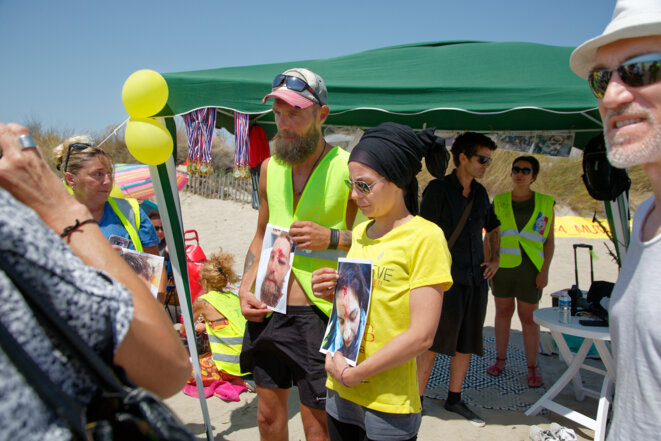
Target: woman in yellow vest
pixel 221 312
pixel 526 249
pixel 378 398
pixel 88 171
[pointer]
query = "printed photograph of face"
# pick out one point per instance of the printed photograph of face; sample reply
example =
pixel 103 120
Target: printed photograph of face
pixel 347 321
pixel 275 268
pixel 147 266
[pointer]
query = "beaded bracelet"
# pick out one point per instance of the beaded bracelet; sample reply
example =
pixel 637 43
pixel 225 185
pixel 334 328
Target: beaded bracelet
pixel 342 376
pixel 71 228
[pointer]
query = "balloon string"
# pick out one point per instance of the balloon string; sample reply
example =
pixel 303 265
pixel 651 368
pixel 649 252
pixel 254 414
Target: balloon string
pixel 113 132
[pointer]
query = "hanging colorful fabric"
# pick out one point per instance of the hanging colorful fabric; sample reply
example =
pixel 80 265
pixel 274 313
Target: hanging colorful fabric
pixel 241 168
pixel 200 125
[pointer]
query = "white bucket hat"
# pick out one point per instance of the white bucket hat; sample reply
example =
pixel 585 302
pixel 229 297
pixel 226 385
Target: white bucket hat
pixel 631 19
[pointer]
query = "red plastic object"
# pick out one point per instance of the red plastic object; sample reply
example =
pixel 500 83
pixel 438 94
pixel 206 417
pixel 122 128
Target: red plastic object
pixel 195 258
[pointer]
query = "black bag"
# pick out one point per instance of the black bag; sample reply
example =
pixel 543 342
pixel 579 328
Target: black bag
pixel 118 412
pixel 603 181
pixel 598 290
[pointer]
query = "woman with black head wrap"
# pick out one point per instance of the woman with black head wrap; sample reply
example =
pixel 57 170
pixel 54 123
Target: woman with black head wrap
pixel 378 398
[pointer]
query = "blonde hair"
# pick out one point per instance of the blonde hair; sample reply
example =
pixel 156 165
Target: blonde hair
pixel 78 158
pixel 217 272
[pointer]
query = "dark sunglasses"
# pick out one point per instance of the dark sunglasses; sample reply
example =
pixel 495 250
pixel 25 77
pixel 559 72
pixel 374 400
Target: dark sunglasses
pixel 77 146
pixel 637 72
pixel 295 84
pixel 362 186
pixel 158 228
pixel 480 158
pixel 524 170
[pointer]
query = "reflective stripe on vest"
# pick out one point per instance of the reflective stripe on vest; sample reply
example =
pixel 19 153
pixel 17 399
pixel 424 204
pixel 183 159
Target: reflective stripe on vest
pixel 226 343
pixel 128 212
pixel 324 201
pixel 533 235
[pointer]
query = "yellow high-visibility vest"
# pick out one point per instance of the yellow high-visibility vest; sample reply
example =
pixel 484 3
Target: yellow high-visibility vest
pixel 324 201
pixel 226 343
pixel 533 235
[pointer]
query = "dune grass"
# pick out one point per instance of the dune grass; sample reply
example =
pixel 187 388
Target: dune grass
pixel 558 177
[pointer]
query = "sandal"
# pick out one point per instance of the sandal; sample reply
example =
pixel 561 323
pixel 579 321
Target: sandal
pixel 497 368
pixel 534 377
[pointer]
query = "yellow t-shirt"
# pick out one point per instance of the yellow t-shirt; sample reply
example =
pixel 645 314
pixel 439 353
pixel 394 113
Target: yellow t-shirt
pixel 410 256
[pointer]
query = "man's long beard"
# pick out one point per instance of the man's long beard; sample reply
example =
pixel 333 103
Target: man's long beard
pixel 271 293
pixel 295 152
pixel 623 152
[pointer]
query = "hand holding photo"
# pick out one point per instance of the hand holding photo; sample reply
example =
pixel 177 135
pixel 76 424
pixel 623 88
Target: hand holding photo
pixel 346 325
pixel 147 266
pixel 275 268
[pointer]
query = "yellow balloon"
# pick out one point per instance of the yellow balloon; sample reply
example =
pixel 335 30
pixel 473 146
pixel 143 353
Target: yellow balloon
pixel 145 93
pixel 148 141
pixel 116 192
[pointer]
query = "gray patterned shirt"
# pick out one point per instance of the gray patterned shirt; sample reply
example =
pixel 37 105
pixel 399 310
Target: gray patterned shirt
pixel 99 309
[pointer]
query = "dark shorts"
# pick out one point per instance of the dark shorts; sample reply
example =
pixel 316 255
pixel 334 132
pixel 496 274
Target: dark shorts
pixel 283 350
pixel 519 282
pixel 462 320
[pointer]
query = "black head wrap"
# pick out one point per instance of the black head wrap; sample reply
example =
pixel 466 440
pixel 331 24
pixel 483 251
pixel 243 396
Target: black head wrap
pixel 395 151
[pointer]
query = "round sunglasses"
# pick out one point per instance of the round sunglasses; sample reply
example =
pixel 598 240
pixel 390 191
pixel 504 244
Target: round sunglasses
pixel 636 72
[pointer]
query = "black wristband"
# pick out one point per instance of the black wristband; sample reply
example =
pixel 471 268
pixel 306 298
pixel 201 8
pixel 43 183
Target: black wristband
pixel 334 239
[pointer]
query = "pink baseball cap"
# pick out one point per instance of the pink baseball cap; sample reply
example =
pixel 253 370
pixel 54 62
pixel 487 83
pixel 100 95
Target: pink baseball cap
pixel 312 88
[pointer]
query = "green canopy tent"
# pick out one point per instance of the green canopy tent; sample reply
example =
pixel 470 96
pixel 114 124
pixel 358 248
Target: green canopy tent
pixel 479 86
pixel 490 87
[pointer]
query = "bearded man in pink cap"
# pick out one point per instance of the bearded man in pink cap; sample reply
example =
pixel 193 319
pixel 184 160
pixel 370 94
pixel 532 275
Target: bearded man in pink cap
pixel 301 187
pixel 623 69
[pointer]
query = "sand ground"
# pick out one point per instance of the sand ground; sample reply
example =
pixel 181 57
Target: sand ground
pixel 231 225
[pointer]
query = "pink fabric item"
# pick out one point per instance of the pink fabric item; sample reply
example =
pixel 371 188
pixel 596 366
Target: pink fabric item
pixel 191 389
pixel 290 97
pixel 225 390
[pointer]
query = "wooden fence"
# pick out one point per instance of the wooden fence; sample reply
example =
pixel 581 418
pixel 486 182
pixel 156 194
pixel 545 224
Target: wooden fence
pixel 220 186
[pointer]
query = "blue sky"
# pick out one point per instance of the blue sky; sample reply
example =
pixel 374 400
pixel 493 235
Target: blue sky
pixel 64 62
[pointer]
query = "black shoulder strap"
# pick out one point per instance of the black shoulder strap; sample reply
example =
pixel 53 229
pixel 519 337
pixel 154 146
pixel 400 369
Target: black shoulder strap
pixel 462 222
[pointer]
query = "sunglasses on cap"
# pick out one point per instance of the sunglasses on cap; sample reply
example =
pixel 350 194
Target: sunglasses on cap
pixel 636 72
pixel 77 146
pixel 295 84
pixel 480 158
pixel 524 170
pixel 362 186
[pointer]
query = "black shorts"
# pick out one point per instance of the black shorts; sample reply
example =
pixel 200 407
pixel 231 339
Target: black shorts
pixel 462 320
pixel 283 350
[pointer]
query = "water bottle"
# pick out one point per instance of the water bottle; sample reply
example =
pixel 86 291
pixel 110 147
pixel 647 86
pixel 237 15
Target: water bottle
pixel 564 306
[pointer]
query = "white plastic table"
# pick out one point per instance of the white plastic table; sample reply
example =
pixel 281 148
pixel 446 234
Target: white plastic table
pixel 548 318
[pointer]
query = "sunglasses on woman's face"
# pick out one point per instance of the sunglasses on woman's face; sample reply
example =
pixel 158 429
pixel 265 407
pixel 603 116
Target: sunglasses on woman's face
pixel 362 186
pixel 524 170
pixel 636 72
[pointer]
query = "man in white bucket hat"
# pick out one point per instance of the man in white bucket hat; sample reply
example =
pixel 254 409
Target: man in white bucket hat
pixel 623 69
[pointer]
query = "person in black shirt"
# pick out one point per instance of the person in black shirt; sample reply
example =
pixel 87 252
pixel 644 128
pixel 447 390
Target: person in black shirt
pixel 459 332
